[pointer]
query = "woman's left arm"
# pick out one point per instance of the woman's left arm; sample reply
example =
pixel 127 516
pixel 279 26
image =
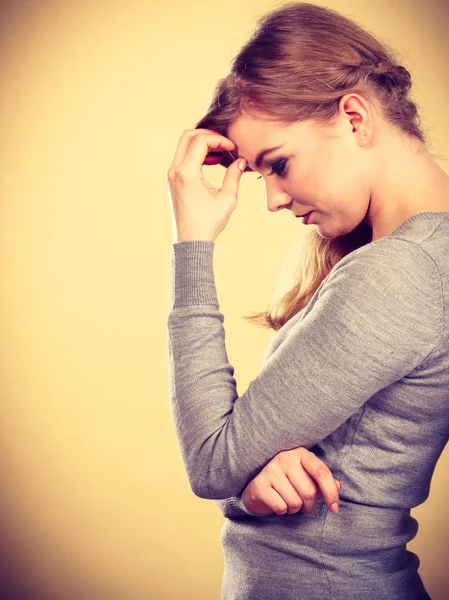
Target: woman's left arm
pixel 235 507
pixel 376 316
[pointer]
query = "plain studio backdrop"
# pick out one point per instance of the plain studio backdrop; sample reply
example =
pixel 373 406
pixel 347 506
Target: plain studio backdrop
pixel 95 503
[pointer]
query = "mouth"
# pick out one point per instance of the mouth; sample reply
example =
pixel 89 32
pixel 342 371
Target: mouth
pixel 305 217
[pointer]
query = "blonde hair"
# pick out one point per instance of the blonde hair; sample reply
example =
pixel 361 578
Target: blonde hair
pixel 298 63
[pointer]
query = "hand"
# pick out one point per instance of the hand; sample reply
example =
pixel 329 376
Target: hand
pixel 284 485
pixel 200 211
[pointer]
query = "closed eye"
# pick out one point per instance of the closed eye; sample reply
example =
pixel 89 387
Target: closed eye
pixel 278 168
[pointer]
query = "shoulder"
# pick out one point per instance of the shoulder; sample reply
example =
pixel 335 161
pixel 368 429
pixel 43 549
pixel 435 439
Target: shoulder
pixel 391 283
pixel 389 262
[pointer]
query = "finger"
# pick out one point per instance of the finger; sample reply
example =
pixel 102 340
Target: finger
pixel 213 158
pixel 271 498
pixel 200 146
pixel 232 177
pixel 290 492
pixel 323 477
pixel 303 485
pixel 265 496
pixel 183 144
pixel 338 482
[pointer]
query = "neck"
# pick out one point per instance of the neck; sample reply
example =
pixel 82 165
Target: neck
pixel 407 181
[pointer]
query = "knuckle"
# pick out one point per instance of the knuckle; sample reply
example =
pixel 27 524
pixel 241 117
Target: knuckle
pixel 252 498
pixel 257 485
pixel 301 450
pixel 281 458
pixel 281 509
pixel 294 455
pixel 182 173
pixel 273 464
pixel 308 495
pixel 322 471
pixel 271 467
pixel 294 452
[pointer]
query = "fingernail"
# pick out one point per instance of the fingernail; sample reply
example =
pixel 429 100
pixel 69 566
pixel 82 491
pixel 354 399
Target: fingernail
pixel 242 165
pixel 334 507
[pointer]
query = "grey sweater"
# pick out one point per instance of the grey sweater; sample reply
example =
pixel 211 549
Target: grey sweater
pixel 360 377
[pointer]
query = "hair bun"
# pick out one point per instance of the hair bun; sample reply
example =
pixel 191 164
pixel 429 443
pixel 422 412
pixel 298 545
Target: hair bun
pixel 387 74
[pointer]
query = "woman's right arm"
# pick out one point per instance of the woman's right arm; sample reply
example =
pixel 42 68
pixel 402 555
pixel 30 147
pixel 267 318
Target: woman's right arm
pixel 292 480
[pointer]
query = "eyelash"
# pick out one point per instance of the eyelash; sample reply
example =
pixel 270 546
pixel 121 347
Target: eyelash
pixel 278 168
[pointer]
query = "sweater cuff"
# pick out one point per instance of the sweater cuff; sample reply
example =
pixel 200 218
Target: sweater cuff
pixel 236 503
pixel 192 273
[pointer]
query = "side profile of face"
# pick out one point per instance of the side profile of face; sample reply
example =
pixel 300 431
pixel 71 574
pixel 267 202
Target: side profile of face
pixel 327 170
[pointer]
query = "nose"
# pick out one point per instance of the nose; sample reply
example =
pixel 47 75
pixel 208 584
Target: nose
pixel 277 200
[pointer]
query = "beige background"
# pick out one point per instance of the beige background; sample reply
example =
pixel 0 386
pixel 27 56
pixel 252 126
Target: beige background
pixel 95 502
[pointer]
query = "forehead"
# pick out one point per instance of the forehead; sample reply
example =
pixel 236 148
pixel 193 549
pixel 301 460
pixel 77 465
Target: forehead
pixel 255 129
pixel 252 134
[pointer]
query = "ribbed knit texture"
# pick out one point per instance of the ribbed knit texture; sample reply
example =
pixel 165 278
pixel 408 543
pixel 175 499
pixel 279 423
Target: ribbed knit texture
pixel 360 377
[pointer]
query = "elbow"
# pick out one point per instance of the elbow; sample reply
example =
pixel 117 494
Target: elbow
pixel 201 491
pixel 209 470
pixel 218 488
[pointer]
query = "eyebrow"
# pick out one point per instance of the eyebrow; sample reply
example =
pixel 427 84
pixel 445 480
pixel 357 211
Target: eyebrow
pixel 262 153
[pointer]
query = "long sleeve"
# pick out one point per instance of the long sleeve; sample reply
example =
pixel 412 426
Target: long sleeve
pixel 235 507
pixel 374 319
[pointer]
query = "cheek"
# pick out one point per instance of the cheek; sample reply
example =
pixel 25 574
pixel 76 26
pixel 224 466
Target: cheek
pixel 318 172
pixel 317 179
pixel 332 186
pixel 341 175
pixel 329 173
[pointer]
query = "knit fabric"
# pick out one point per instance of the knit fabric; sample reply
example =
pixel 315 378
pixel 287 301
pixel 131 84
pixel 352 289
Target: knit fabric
pixel 360 377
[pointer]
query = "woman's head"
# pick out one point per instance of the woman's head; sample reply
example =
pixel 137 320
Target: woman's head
pixel 309 78
pixel 323 168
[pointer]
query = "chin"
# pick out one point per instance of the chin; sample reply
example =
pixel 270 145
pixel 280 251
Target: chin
pixel 328 235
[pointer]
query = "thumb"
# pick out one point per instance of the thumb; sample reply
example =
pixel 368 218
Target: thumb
pixel 232 177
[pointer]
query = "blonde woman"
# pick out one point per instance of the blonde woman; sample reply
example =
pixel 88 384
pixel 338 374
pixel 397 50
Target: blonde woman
pixel 354 385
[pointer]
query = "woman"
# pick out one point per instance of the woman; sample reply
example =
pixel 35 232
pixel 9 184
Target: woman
pixel 355 382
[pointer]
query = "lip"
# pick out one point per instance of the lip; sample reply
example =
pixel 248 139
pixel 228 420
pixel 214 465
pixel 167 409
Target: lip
pixel 305 217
